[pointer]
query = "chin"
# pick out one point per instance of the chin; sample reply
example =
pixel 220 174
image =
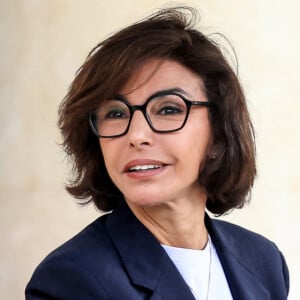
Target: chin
pixel 144 200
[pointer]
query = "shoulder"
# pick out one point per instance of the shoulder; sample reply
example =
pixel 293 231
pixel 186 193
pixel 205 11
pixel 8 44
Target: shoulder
pixel 256 253
pixel 77 263
pixel 83 246
pixel 237 237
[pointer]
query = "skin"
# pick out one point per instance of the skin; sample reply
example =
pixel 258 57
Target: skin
pixel 169 201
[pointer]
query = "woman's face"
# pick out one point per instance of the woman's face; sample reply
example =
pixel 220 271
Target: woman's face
pixel 177 156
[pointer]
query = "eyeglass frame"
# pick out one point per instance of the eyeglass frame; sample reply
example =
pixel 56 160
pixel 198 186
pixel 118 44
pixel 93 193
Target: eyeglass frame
pixel 143 107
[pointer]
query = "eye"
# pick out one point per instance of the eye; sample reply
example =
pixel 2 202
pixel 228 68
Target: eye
pixel 169 109
pixel 167 105
pixel 116 113
pixel 112 110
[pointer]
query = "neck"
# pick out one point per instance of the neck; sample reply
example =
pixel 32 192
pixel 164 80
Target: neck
pixel 177 224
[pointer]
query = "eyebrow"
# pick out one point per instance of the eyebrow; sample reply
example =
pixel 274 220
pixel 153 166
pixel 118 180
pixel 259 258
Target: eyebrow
pixel 175 90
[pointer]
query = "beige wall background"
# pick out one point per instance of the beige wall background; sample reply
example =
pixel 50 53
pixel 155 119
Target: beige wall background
pixel 43 42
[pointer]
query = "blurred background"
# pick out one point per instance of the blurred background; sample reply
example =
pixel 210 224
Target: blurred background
pixel 43 43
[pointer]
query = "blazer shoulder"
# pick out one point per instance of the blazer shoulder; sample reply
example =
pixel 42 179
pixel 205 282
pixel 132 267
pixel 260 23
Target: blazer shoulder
pixel 92 239
pixel 251 249
pixel 78 263
pixel 241 235
pixel 235 237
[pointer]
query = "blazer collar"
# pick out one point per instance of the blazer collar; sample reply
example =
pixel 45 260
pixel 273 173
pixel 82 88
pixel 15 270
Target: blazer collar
pixel 148 265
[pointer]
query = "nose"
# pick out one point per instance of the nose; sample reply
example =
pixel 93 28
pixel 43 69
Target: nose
pixel 139 134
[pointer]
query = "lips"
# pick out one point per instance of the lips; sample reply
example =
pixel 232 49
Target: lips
pixel 143 165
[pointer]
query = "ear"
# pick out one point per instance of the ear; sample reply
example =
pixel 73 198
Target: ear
pixel 212 155
pixel 216 150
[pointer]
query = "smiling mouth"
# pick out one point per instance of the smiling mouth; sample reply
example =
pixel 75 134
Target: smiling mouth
pixel 143 168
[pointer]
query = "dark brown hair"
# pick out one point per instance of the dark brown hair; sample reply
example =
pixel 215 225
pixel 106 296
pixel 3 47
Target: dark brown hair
pixel 228 172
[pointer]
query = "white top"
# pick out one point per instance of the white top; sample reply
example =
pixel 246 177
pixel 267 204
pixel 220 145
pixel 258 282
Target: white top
pixel 194 267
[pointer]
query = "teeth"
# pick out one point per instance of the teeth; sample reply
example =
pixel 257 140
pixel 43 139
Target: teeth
pixel 144 167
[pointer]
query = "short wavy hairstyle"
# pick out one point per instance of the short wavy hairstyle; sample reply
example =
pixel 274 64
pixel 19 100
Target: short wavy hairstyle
pixel 171 33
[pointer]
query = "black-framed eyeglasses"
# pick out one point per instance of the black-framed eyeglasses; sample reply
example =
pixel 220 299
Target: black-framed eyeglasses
pixel 164 112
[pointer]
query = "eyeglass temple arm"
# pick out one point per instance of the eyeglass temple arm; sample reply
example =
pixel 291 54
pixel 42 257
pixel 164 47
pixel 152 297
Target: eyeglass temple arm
pixel 201 103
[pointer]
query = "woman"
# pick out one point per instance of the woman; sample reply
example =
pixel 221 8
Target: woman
pixel 157 125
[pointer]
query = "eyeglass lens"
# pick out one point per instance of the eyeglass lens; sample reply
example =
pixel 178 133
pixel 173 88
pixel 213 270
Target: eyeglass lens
pixel 164 113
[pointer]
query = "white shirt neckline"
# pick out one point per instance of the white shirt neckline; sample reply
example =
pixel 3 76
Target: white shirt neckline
pixel 193 265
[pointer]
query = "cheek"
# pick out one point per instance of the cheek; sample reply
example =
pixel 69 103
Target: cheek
pixel 113 156
pixel 107 153
pixel 197 143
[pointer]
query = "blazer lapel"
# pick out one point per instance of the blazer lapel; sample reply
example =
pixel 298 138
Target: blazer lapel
pixel 171 285
pixel 236 262
pixel 145 261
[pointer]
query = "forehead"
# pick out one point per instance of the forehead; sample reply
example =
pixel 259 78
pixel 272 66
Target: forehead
pixel 160 74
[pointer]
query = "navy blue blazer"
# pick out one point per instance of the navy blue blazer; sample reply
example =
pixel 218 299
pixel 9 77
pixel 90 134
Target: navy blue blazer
pixel 117 258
